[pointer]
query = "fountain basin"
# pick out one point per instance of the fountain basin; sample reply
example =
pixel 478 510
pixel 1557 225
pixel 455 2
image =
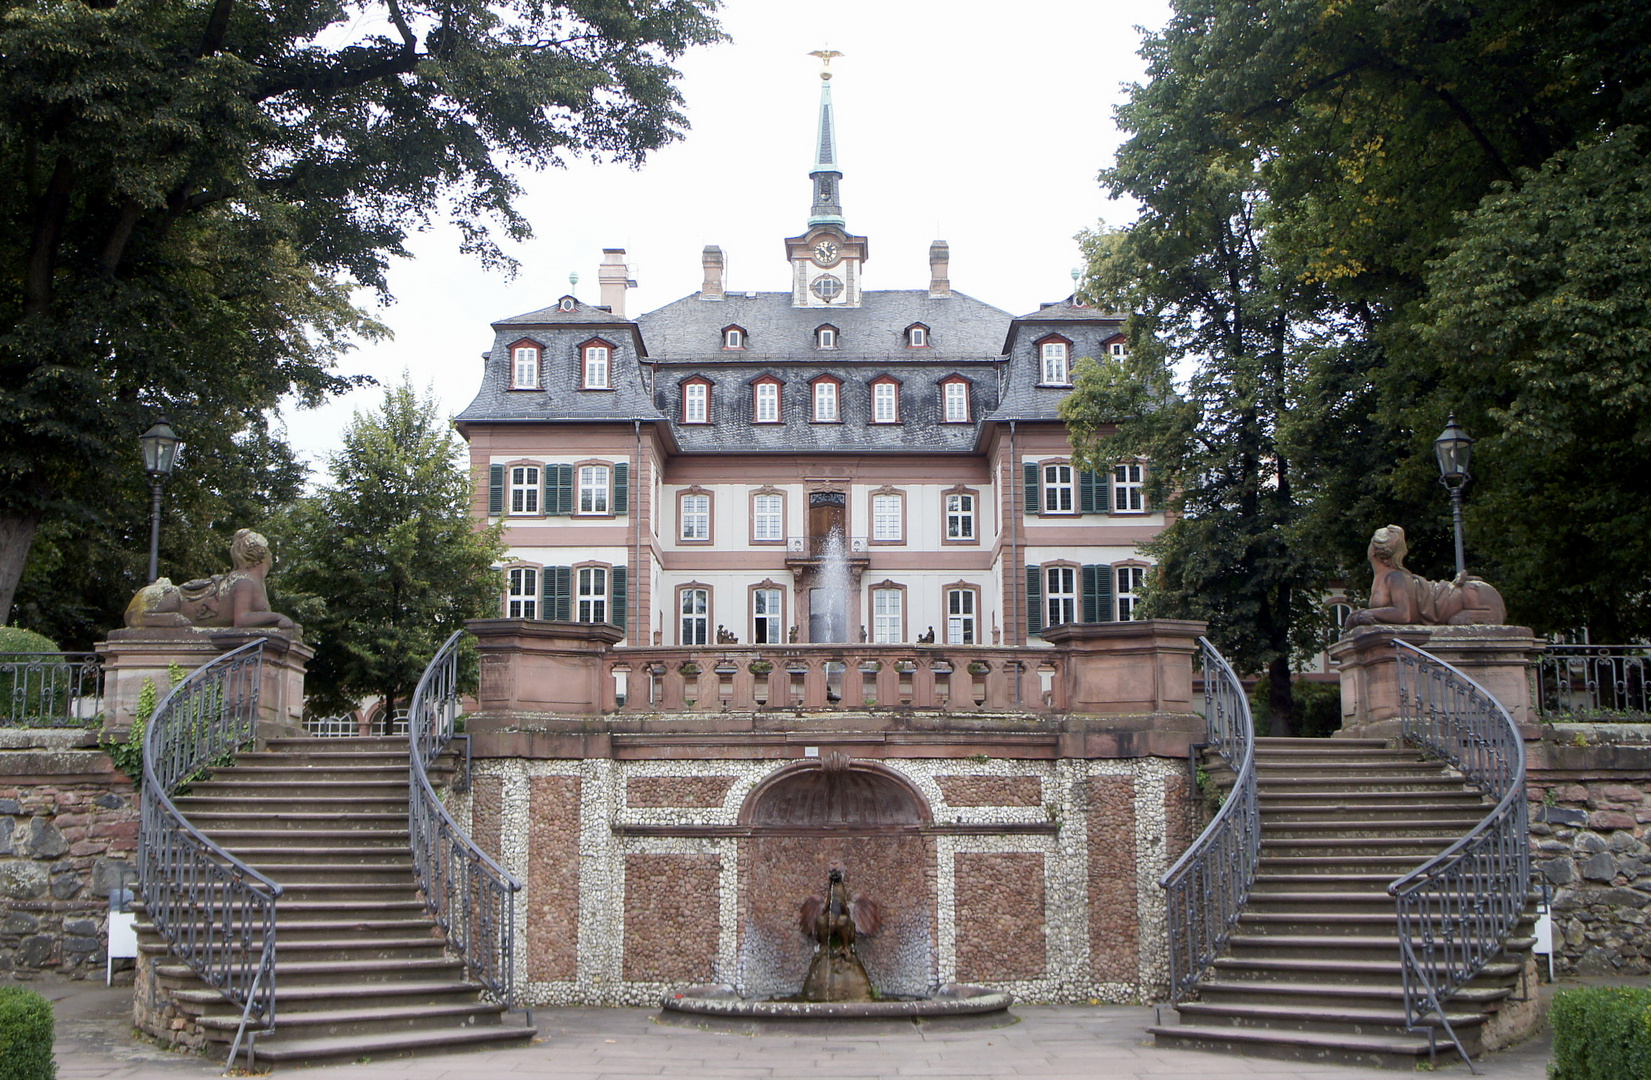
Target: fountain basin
pixel 720 1008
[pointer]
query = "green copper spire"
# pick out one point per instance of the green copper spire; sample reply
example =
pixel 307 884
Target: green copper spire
pixel 826 174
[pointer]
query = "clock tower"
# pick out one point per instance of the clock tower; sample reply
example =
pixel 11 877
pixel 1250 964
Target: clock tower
pixel 826 260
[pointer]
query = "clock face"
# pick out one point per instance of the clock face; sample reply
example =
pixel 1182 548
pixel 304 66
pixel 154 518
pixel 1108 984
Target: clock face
pixel 825 253
pixel 827 287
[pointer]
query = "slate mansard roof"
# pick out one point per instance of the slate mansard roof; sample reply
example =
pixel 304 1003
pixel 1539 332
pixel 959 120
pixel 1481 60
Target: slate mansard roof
pixel 995 352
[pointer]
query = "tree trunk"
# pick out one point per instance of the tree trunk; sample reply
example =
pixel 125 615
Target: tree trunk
pixel 1281 701
pixel 16 537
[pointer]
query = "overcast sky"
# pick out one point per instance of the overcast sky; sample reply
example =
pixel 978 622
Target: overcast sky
pixel 982 124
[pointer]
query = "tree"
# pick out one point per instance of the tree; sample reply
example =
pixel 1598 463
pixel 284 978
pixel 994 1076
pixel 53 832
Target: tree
pixel 385 561
pixel 193 189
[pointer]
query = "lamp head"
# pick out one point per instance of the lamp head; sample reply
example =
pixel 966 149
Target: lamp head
pixel 1454 449
pixel 160 449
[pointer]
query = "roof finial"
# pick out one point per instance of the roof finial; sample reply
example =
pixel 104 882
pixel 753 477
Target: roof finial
pixel 826 172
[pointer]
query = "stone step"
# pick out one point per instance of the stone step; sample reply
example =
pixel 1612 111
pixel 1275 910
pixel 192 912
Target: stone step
pixel 1352 993
pixel 360 1020
pixel 314 930
pixel 1419 848
pixel 1281 742
pixel 1379 1051
pixel 303 821
pixel 397 758
pixel 1379 827
pixel 354 774
pixel 351 893
pixel 318 1050
pixel 325 950
pixel 1391 865
pixel 1321 1017
pixel 336 744
pixel 1316 946
pixel 1260 968
pixel 343 972
pixel 1325 882
pixel 386 871
pixel 1355 817
pixel 313 791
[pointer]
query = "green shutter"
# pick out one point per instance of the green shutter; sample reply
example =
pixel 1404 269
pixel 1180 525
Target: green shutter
pixel 621 492
pixel 559 490
pixel 617 600
pixel 557 586
pixel 1034 596
pixel 495 490
pixel 1094 492
pixel 1097 593
pixel 1032 503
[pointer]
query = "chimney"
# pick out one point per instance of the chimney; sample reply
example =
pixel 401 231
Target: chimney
pixel 712 259
pixel 614 277
pixel 940 257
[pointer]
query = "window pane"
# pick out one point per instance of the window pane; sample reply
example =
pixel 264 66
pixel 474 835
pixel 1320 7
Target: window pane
pixel 696 517
pixel 885 517
pixel 884 403
pixel 886 628
pixel 593 489
pixel 767 517
pixel 960 517
pixel 825 401
pixel 694 401
pixel 768 402
pixel 696 619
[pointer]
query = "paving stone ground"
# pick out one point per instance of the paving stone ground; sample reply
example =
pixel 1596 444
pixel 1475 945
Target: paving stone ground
pixel 95 1041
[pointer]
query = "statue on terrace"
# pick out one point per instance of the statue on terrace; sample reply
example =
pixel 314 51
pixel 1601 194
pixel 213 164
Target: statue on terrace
pixel 1400 597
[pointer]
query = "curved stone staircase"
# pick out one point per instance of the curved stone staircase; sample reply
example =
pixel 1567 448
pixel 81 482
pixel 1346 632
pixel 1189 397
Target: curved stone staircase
pixel 361 968
pixel 1312 970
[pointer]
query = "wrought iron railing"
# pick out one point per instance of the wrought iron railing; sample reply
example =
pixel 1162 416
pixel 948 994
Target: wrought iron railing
pixel 50 689
pixel 1207 887
pixel 216 913
pixel 1458 909
pixel 1593 682
pixel 472 898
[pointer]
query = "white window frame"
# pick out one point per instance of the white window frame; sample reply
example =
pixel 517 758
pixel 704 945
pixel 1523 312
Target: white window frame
pixel 1056 370
pixel 962 617
pixel 696 403
pixel 1060 595
pixel 765 403
pixel 593 494
pixel 522 593
pixel 825 337
pixel 591 585
pixel 767 616
pixel 767 517
pixel 917 338
pixel 598 362
pixel 1126 594
pixel 1127 495
pixel 1058 496
pixel 826 402
pixel 733 338
pixel 957 402
pixel 888 512
pixel 694 611
pixel 525 491
pixel 524 361
pixel 960 517
pixel 694 516
pixel 1119 349
pixel 885 403
pixel 888 616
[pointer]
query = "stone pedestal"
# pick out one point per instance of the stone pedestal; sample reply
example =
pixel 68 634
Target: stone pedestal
pixel 536 666
pixel 1124 668
pixel 131 657
pixel 1498 658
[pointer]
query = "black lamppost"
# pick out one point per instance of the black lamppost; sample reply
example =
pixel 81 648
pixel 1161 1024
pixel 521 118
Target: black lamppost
pixel 1453 447
pixel 160 453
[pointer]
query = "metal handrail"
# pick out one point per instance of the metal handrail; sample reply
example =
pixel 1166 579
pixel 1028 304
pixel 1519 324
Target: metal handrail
pixel 1594 682
pixel 1209 884
pixel 472 897
pixel 51 689
pixel 1457 910
pixel 216 913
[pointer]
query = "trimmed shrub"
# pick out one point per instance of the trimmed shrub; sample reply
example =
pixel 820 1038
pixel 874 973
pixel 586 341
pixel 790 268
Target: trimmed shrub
pixel 25 1035
pixel 1601 1033
pixel 15 639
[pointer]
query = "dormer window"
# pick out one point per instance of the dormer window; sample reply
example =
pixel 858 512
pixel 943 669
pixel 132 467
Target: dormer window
pixel 765 402
pixel 825 337
pixel 524 366
pixel 733 337
pixel 696 402
pixel 1117 347
pixel 597 364
pixel 826 409
pixel 917 336
pixel 567 305
pixel 1056 365
pixel 954 398
pixel 885 401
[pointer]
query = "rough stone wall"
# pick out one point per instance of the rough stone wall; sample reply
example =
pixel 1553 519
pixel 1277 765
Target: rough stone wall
pixel 1000 917
pixel 553 879
pixel 991 790
pixel 671 917
pixel 487 824
pixel 697 791
pixel 1114 921
pixel 68 835
pixel 1589 840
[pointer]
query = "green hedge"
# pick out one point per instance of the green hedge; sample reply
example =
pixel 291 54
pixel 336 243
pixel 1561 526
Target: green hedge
pixel 15 639
pixel 25 1035
pixel 1601 1033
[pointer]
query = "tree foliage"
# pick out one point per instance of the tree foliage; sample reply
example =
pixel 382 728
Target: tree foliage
pixel 193 188
pixel 385 561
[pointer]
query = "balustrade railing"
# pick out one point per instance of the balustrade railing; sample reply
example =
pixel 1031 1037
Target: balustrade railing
pixel 1593 682
pixel 956 678
pixel 216 913
pixel 1209 884
pixel 50 690
pixel 472 898
pixel 1457 910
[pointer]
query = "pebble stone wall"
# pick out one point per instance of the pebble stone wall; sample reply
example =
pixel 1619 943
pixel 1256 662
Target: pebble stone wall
pixel 566 828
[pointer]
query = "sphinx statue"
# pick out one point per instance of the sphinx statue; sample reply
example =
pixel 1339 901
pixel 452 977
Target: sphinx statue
pixel 234 599
pixel 1400 597
pixel 835 973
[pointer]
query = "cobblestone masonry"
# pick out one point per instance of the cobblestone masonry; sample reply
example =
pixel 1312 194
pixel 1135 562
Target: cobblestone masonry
pixel 1114 925
pixel 553 879
pixel 671 917
pixel 65 842
pixel 608 973
pixel 991 790
pixel 487 825
pixel 652 791
pixel 1000 917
